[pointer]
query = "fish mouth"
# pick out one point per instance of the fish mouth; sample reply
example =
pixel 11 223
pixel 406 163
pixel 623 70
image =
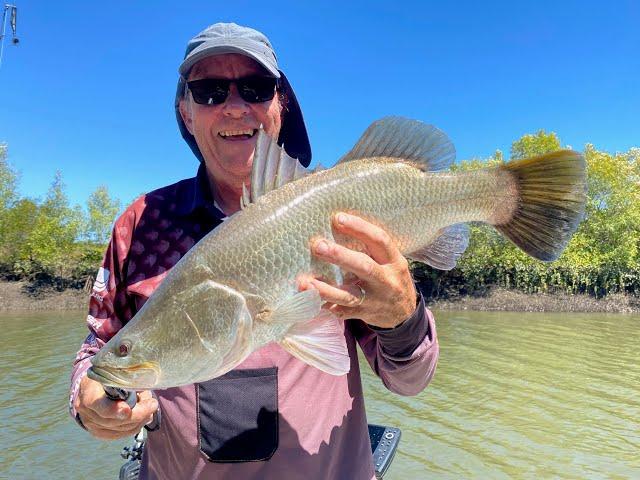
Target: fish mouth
pixel 144 375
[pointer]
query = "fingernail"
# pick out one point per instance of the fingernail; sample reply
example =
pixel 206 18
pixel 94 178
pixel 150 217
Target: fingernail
pixel 322 247
pixel 341 218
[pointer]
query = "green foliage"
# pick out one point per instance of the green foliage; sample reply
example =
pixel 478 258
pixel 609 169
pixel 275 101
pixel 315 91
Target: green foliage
pixel 20 221
pixel 54 234
pixel 50 237
pixel 534 145
pixel 8 196
pixel 8 181
pixel 102 211
pixel 478 163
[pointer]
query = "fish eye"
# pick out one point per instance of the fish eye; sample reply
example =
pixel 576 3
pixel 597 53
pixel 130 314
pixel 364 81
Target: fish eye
pixel 123 349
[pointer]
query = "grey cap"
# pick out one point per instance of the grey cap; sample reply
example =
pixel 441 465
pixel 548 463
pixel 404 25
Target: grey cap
pixel 222 38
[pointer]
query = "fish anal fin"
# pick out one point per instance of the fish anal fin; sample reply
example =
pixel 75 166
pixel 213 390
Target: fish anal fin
pixel 443 253
pixel 320 343
pixel 402 138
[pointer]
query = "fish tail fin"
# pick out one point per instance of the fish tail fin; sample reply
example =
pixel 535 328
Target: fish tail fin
pixel 550 200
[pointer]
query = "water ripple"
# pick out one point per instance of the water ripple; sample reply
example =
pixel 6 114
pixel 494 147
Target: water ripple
pixel 523 396
pixel 515 396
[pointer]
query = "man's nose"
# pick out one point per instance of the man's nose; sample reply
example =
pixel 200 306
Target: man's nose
pixel 235 105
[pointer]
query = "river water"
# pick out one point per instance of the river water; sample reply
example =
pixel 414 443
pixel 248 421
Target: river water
pixel 516 395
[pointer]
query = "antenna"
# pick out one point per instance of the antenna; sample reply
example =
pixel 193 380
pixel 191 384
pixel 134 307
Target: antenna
pixel 13 14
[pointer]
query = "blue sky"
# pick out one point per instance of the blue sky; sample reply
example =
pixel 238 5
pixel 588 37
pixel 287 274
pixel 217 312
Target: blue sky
pixel 89 90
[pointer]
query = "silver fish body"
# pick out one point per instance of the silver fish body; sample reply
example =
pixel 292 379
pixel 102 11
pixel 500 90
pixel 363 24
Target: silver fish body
pixel 235 291
pixel 263 248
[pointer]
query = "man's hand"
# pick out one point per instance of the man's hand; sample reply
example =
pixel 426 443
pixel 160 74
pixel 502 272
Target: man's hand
pixel 379 289
pixel 107 419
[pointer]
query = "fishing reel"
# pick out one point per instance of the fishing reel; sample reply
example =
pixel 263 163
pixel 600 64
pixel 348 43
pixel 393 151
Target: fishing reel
pixel 133 454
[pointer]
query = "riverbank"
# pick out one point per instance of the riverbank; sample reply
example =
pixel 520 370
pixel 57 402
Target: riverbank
pixel 499 299
pixel 21 296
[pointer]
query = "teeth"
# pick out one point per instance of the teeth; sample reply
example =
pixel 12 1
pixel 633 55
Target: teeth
pixel 231 133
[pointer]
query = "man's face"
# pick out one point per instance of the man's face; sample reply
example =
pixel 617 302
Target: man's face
pixel 229 157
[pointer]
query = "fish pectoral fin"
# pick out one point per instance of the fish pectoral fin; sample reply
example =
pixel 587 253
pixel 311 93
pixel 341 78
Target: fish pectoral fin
pixel 446 250
pixel 406 139
pixel 299 308
pixel 320 343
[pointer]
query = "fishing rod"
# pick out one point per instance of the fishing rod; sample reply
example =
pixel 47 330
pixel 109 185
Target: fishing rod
pixel 12 10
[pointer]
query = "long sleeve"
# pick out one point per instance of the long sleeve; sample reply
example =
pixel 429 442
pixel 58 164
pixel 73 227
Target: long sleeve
pixel 404 357
pixel 109 307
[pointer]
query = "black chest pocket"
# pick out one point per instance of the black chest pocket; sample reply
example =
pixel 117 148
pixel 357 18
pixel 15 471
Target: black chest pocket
pixel 238 416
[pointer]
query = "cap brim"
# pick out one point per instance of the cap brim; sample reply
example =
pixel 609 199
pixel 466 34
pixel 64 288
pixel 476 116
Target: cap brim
pixel 207 50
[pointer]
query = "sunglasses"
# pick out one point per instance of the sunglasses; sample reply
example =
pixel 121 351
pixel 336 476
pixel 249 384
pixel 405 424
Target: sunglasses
pixel 215 91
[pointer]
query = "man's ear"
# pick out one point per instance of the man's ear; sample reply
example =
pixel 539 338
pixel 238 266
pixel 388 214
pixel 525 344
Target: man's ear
pixel 186 114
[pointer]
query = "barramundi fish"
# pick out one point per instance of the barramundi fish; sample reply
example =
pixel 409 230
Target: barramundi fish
pixel 235 290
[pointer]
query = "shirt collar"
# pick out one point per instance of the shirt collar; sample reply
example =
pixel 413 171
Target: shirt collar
pixel 197 195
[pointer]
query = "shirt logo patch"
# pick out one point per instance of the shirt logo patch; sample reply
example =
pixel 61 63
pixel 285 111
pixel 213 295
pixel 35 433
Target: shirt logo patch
pixel 94 323
pixel 102 280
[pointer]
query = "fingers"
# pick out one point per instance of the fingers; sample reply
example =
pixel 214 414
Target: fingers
pixel 388 296
pixel 366 266
pixel 143 412
pixel 128 422
pixel 111 434
pixel 345 295
pixel 93 402
pixel 358 263
pixel 378 242
pixel 108 419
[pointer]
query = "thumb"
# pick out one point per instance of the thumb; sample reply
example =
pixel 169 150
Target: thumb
pixel 144 395
pixel 144 409
pixel 149 404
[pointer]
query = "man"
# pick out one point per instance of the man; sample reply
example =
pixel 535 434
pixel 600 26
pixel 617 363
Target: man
pixel 274 416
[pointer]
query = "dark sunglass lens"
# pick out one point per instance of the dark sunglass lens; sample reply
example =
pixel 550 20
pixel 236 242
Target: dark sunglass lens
pixel 209 91
pixel 257 89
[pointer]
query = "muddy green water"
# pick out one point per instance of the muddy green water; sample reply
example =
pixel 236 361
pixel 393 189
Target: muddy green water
pixel 515 396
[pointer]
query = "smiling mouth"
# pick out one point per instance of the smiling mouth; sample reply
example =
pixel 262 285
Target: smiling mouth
pixel 238 134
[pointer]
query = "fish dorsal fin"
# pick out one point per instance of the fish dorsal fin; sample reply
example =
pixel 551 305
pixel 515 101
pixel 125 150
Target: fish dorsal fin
pixel 272 168
pixel 245 199
pixel 403 138
pixel 444 252
pixel 320 343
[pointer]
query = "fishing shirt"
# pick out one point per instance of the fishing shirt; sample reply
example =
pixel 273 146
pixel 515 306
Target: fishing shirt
pixel 274 416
